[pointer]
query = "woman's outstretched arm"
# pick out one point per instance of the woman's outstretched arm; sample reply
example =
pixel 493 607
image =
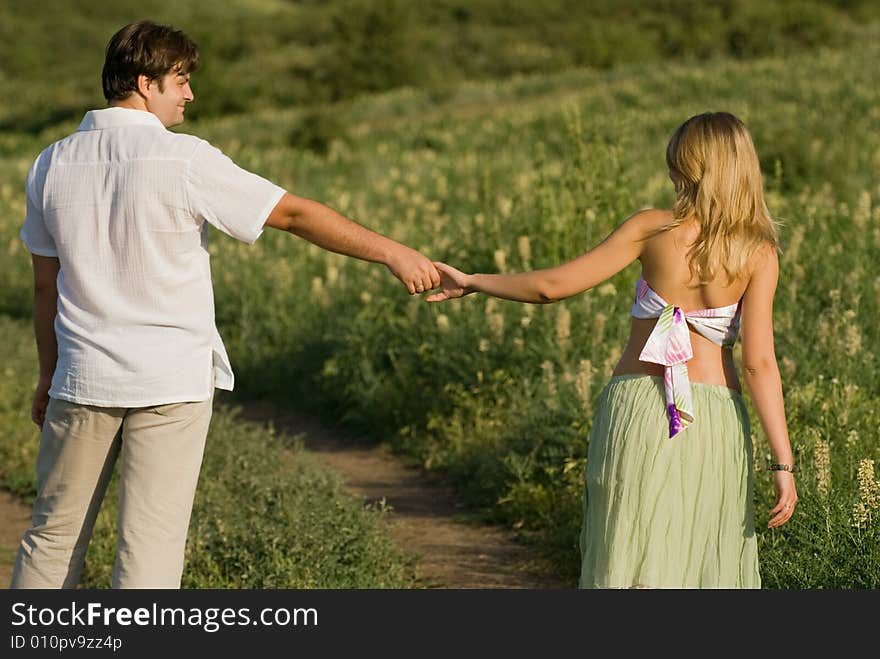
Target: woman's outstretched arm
pixel 618 250
pixel 761 375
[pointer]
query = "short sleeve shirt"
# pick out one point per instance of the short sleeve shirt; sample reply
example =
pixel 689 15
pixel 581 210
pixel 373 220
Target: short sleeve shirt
pixel 124 204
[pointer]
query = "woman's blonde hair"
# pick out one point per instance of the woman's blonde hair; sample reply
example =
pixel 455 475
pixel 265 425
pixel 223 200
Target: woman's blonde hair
pixel 718 181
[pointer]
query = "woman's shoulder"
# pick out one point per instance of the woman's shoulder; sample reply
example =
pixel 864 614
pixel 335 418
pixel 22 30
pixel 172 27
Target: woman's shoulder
pixel 653 227
pixel 647 222
pixel 652 217
pixel 764 259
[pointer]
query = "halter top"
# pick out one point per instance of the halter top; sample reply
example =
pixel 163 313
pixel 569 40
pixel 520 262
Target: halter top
pixel 670 345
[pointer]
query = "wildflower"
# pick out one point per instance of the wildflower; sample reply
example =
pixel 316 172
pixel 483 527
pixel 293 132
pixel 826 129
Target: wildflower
pixel 822 465
pixel 563 327
pixel 852 340
pixel 505 206
pixel 852 438
pixel 825 331
pixel 606 290
pixel 854 278
pixel 550 381
pixel 332 274
pixel 501 260
pixel 784 321
pixel 599 321
pixel 483 345
pixel 443 322
pixel 583 382
pixel 283 273
pixel 318 289
pixel 611 361
pixel 797 239
pixel 496 324
pixel 525 250
pixel 523 181
pixel 869 494
pixel 862 213
pixel 331 368
pixel 571 464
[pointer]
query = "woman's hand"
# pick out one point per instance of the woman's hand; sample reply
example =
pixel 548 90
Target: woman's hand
pixel 454 282
pixel 786 498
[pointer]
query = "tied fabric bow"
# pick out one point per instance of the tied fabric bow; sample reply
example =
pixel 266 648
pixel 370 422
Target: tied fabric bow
pixel 670 346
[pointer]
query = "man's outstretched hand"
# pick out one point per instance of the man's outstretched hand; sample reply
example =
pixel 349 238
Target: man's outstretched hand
pixel 454 283
pixel 414 269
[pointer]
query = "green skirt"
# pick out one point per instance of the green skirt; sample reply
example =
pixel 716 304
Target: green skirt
pixel 668 513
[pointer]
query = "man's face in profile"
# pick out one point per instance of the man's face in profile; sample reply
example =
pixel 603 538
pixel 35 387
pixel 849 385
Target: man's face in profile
pixel 167 97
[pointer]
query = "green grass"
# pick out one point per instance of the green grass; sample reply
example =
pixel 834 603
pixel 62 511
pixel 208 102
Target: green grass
pixel 501 401
pixel 265 515
pixel 276 53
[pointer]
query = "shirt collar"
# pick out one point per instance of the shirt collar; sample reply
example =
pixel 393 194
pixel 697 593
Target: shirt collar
pixel 116 116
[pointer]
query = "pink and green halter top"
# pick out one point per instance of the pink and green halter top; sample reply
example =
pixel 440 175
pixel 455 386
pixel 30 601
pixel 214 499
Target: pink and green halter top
pixel 670 345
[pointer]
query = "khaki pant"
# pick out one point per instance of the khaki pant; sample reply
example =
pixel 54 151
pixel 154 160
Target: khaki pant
pixel 161 451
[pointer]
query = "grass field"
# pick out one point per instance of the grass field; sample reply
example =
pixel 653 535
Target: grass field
pixel 265 515
pixel 504 175
pixel 283 53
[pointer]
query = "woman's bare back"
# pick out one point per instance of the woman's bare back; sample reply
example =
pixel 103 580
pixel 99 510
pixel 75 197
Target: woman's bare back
pixel 665 269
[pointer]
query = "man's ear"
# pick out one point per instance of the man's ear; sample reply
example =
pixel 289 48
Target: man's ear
pixel 145 85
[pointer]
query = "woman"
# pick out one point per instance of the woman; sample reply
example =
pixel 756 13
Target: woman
pixel 668 500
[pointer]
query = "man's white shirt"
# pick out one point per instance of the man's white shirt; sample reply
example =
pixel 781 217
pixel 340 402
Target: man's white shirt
pixel 124 204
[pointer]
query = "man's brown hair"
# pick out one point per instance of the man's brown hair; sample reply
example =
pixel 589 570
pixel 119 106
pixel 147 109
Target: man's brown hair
pixel 149 49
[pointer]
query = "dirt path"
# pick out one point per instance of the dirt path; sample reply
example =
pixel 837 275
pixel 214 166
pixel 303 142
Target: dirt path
pixel 14 519
pixel 424 519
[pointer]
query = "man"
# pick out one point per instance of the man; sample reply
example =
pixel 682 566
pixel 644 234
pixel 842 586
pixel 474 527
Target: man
pixel 117 217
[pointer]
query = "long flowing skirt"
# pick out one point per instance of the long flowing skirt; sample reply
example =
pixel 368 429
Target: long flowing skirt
pixel 663 512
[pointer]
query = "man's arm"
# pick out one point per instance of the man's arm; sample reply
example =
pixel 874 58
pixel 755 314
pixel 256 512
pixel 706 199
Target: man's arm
pixel 328 229
pixel 45 308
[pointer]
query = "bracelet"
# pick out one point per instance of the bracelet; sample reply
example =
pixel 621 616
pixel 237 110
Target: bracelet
pixel 782 467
